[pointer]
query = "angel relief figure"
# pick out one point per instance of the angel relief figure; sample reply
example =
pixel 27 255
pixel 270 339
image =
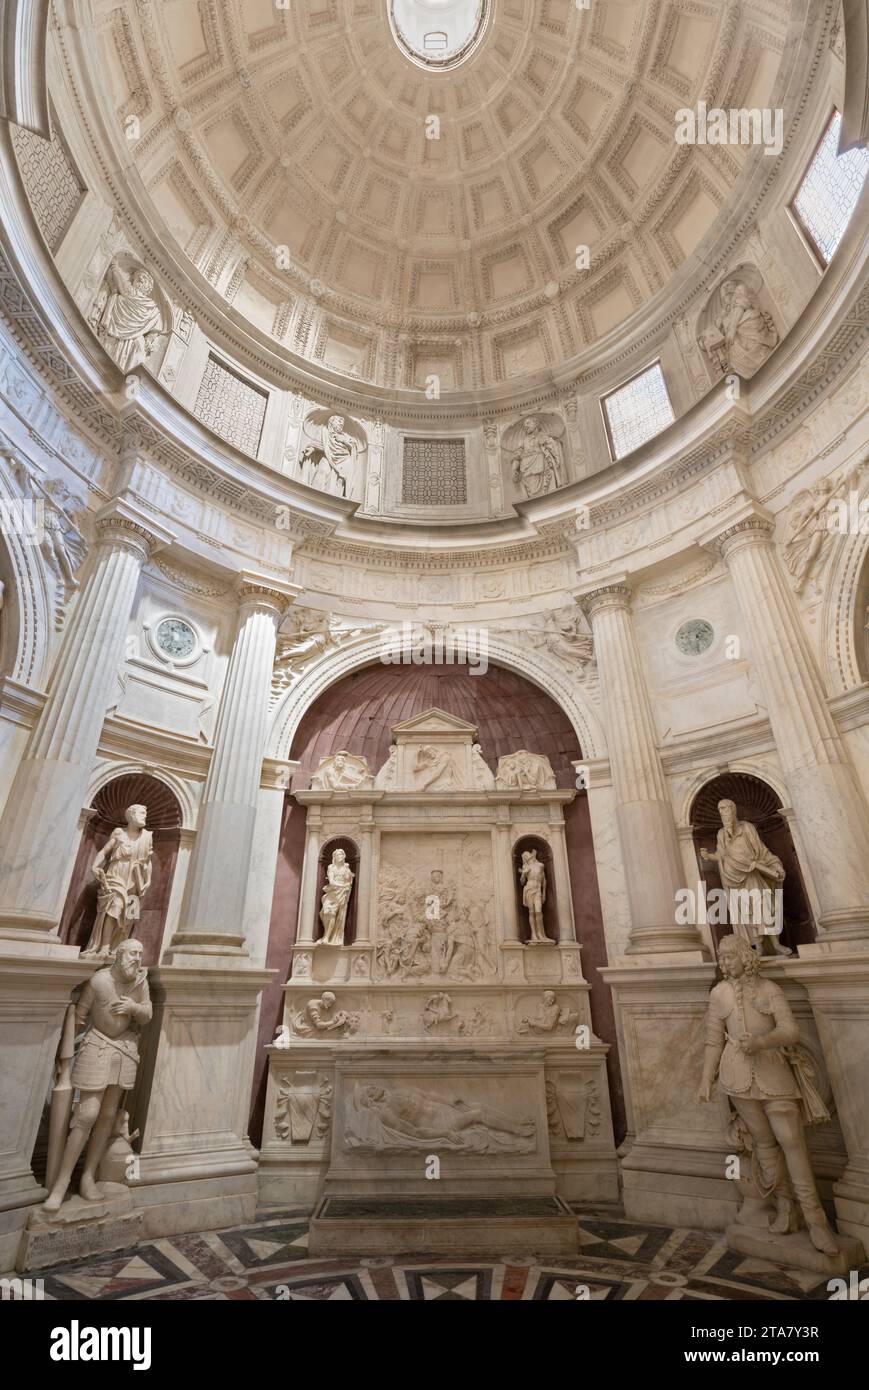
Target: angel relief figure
pixel 330 457
pixel 536 454
pixel 812 523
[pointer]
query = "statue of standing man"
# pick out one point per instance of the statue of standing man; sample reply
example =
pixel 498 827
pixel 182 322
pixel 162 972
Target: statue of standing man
pixel 532 876
pixel 116 1002
pixel 747 870
pixel 336 897
pixel 752 1045
pixel 122 870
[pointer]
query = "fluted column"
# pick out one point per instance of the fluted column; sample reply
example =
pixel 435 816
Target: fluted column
pixel 830 808
pixel 39 822
pixel 212 917
pixel 644 813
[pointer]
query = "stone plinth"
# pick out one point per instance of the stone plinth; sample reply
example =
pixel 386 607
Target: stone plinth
pixel 80 1229
pixel 794 1251
pixel 543 1226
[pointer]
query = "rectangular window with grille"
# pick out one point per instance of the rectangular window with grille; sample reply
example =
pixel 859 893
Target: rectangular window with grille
pixel 637 411
pixel 232 407
pixel 828 194
pixel 433 473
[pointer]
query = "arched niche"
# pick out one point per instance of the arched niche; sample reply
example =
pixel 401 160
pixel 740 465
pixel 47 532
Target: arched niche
pixel 164 820
pixel 351 849
pixel 550 906
pixel 756 801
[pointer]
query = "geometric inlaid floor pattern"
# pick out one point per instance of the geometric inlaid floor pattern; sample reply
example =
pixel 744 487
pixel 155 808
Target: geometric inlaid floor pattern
pixel 617 1259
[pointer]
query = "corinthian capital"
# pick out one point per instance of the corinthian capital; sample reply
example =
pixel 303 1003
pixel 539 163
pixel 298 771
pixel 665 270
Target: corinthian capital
pixel 124 523
pixel 267 592
pixel 750 525
pixel 610 596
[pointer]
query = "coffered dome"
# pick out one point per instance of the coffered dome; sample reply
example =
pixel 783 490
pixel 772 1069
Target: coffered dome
pixel 394 219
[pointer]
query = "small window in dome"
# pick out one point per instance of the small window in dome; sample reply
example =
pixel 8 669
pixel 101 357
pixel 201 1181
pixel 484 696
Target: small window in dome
pixel 637 411
pixel 828 194
pixel 435 42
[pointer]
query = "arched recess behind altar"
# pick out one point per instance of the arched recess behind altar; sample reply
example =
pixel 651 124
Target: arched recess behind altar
pixel 357 714
pixel 164 819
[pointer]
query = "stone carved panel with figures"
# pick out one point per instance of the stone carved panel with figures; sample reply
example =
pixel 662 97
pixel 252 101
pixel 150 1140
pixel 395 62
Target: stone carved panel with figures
pixel 436 908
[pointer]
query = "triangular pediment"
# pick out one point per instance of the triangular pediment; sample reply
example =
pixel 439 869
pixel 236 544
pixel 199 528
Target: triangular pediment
pixel 434 721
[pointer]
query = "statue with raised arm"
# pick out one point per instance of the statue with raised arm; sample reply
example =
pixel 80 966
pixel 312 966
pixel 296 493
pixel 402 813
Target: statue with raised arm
pixel 752 1046
pixel 122 870
pixel 116 1003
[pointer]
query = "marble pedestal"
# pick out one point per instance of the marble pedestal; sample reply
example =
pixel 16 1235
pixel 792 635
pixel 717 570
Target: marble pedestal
pixel 482 1056
pixel 80 1229
pixel 36 980
pixel 197 1169
pixel 835 974
pixel 675 1159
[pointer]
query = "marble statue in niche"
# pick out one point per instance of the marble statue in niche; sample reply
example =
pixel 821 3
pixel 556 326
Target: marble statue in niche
pixel 122 870
pixel 752 1045
pixel 336 897
pixel 536 453
pixel 384 1118
pixel 435 771
pixel 747 870
pixel 548 1017
pixel 735 333
pixel 811 526
pixel 524 771
pixel 332 458
pixel 128 316
pixel 115 1003
pixel 321 1016
pixel 342 772
pixel 572 1107
pixel 304 1107
pixel 532 876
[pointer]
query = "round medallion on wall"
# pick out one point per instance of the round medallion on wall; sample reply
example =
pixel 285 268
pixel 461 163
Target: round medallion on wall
pixel 695 637
pixel 176 638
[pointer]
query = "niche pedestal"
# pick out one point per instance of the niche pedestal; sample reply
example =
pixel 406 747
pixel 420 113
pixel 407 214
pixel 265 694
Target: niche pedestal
pixel 438 1058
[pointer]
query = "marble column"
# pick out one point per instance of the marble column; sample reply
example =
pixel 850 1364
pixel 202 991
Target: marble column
pixel 830 808
pixel 213 912
pixel 39 823
pixel 643 809
pixel 38 836
pixel 197 1165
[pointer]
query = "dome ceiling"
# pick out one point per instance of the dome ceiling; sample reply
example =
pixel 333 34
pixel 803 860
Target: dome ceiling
pixel 393 222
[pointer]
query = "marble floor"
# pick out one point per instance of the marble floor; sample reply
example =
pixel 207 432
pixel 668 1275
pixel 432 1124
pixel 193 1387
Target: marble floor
pixel 618 1259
